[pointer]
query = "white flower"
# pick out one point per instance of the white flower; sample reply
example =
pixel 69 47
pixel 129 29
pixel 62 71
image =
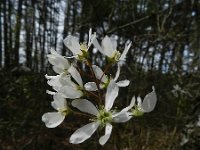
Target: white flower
pixel 177 89
pixel 79 50
pixel 60 64
pixel 184 140
pixel 109 49
pixel 100 75
pixel 53 119
pixel 72 90
pixel 126 49
pixel 103 117
pixel 105 80
pixel 57 81
pixel 122 83
pixel 147 105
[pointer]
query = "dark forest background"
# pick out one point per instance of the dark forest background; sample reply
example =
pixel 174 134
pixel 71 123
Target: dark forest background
pixel 165 51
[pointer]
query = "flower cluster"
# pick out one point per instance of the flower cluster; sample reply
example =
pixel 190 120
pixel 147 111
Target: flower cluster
pixel 72 94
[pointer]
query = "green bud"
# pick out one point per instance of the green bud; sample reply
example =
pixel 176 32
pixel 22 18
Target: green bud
pixel 137 112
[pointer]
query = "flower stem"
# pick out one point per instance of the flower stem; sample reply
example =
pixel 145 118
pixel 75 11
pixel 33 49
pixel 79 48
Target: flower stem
pixel 96 80
pixel 106 69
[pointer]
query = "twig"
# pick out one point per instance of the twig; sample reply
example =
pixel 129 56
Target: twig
pixel 128 24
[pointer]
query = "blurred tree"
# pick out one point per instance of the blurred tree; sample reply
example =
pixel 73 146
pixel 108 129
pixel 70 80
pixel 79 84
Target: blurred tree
pixel 66 24
pixel 29 24
pixel 5 37
pixel 17 32
pixel 0 35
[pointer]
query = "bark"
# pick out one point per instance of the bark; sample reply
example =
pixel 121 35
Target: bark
pixel 43 21
pixel 0 37
pixel 29 28
pixel 17 32
pixel 162 57
pixel 10 32
pixel 5 28
pixel 35 57
pixel 66 24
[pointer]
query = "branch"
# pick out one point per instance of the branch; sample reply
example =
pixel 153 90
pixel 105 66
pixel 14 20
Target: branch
pixel 128 24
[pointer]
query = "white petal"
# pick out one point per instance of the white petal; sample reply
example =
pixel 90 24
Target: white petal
pixel 66 80
pixel 108 46
pixel 123 83
pixel 90 86
pixel 117 73
pixel 53 51
pixel 63 63
pixel 111 94
pixel 97 46
pixel 149 101
pixel 98 73
pixel 50 92
pixel 83 133
pixel 127 47
pixel 76 75
pixel 52 59
pixel 132 103
pixel 130 106
pixel 122 116
pixel 57 69
pixel 52 119
pixel 59 102
pixel 58 61
pixel 73 44
pixel 139 102
pixel 90 34
pixel 54 81
pixel 108 131
pixel 70 92
pixel 91 37
pixel 85 106
pixel 49 77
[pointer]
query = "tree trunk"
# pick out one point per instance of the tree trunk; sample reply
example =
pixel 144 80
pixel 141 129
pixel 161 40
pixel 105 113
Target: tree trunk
pixel 29 29
pixel 17 32
pixel 35 57
pixel 66 25
pixel 0 38
pixel 5 26
pixel 162 57
pixel 10 32
pixel 43 22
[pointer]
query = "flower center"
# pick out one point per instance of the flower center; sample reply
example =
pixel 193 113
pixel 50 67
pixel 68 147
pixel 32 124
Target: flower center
pixel 83 47
pixel 84 50
pixel 137 111
pixel 64 111
pixel 105 84
pixel 65 71
pixel 115 57
pixel 104 117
